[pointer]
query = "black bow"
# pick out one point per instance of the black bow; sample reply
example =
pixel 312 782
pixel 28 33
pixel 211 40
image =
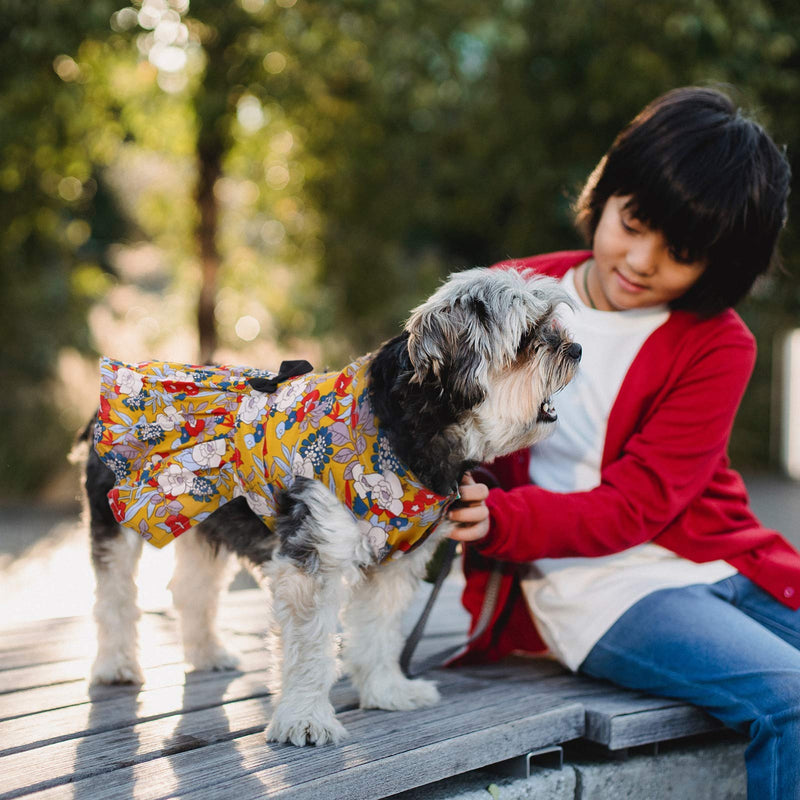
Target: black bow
pixel 289 369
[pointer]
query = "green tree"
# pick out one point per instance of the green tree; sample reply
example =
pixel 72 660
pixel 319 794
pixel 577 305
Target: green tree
pixel 328 162
pixel 56 217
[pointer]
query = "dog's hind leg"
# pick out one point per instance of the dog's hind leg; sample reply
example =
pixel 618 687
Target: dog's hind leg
pixel 201 573
pixel 115 556
pixel 373 637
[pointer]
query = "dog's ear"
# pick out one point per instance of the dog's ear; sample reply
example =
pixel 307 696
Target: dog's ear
pixel 444 346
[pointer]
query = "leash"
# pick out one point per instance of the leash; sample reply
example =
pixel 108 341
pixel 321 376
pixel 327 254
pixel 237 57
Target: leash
pixel 484 618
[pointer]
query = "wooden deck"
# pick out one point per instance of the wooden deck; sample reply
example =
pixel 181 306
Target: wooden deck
pixel 200 735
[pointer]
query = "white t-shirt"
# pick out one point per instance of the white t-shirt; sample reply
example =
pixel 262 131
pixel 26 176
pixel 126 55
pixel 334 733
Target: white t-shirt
pixel 574 601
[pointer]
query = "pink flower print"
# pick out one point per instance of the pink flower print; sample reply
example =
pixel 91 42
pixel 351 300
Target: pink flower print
pixel 251 408
pixel 259 505
pixel 383 490
pixel 302 466
pixel 129 382
pixel 375 535
pixel 175 479
pixel 290 394
pixel 170 419
pixel 209 454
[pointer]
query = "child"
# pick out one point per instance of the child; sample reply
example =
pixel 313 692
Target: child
pixel 635 556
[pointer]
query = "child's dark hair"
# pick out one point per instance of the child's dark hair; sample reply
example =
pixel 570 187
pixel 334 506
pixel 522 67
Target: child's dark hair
pixel 709 179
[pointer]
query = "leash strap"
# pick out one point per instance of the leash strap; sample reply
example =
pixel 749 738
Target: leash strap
pixel 484 618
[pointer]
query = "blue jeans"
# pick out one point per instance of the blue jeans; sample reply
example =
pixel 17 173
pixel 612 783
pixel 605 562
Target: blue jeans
pixel 729 648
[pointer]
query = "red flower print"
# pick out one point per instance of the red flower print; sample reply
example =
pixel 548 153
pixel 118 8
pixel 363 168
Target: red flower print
pixel 307 404
pixel 422 499
pixel 178 523
pixel 227 421
pixel 178 387
pixel 118 508
pixel 105 409
pixel 193 428
pixel 377 510
pixel 412 507
pixel 342 382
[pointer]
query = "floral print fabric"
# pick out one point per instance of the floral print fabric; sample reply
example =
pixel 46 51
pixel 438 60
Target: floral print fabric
pixel 183 440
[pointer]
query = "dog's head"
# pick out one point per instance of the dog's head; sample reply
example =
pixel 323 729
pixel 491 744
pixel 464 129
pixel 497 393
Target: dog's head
pixel 488 343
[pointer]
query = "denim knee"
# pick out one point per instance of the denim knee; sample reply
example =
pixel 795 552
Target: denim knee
pixel 766 705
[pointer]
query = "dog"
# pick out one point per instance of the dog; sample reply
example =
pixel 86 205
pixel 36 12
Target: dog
pixel 470 378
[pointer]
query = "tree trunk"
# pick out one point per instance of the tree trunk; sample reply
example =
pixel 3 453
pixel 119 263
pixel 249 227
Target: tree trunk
pixel 209 153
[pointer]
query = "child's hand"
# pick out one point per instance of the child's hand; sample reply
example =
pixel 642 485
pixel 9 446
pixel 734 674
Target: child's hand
pixel 470 516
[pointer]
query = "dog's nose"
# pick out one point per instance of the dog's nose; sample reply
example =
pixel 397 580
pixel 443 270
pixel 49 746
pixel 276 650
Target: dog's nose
pixel 574 351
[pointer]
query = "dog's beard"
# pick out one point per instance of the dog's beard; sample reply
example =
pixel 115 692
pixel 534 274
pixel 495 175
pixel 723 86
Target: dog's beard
pixel 519 409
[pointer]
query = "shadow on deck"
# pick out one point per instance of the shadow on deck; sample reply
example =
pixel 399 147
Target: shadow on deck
pixel 200 735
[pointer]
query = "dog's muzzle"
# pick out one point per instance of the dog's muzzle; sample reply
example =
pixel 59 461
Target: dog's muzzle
pixel 547 411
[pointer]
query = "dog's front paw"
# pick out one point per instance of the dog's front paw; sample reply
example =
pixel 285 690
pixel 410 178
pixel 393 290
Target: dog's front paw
pixel 318 727
pixel 214 657
pixel 398 693
pixel 116 669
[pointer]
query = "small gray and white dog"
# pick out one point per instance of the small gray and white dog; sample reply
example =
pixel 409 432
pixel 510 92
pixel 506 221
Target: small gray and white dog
pixel 470 378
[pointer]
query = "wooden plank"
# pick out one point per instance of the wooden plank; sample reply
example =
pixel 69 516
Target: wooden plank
pixel 615 718
pixel 45 643
pixel 78 669
pixel 515 669
pixel 448 752
pixel 643 720
pixel 44 647
pixel 24 634
pixel 50 641
pixel 400 749
pixel 63 630
pixel 98 753
pixel 103 752
pixel 126 708
pixel 94 754
pixel 618 718
pixel 505 726
pixel 218 718
pixel 123 706
pixel 192 735
pixel 77 693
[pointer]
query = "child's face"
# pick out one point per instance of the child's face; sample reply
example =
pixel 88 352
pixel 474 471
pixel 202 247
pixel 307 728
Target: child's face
pixel 634 265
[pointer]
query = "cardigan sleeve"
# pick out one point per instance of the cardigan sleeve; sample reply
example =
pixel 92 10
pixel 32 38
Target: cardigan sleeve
pixel 661 468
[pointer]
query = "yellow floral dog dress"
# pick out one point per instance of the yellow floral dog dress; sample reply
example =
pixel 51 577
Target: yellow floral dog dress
pixel 183 440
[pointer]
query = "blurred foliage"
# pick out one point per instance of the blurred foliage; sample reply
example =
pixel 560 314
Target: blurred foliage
pixel 50 262
pixel 365 148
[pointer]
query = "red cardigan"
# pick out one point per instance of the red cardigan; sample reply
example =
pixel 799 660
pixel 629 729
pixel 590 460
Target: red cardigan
pixel 664 477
